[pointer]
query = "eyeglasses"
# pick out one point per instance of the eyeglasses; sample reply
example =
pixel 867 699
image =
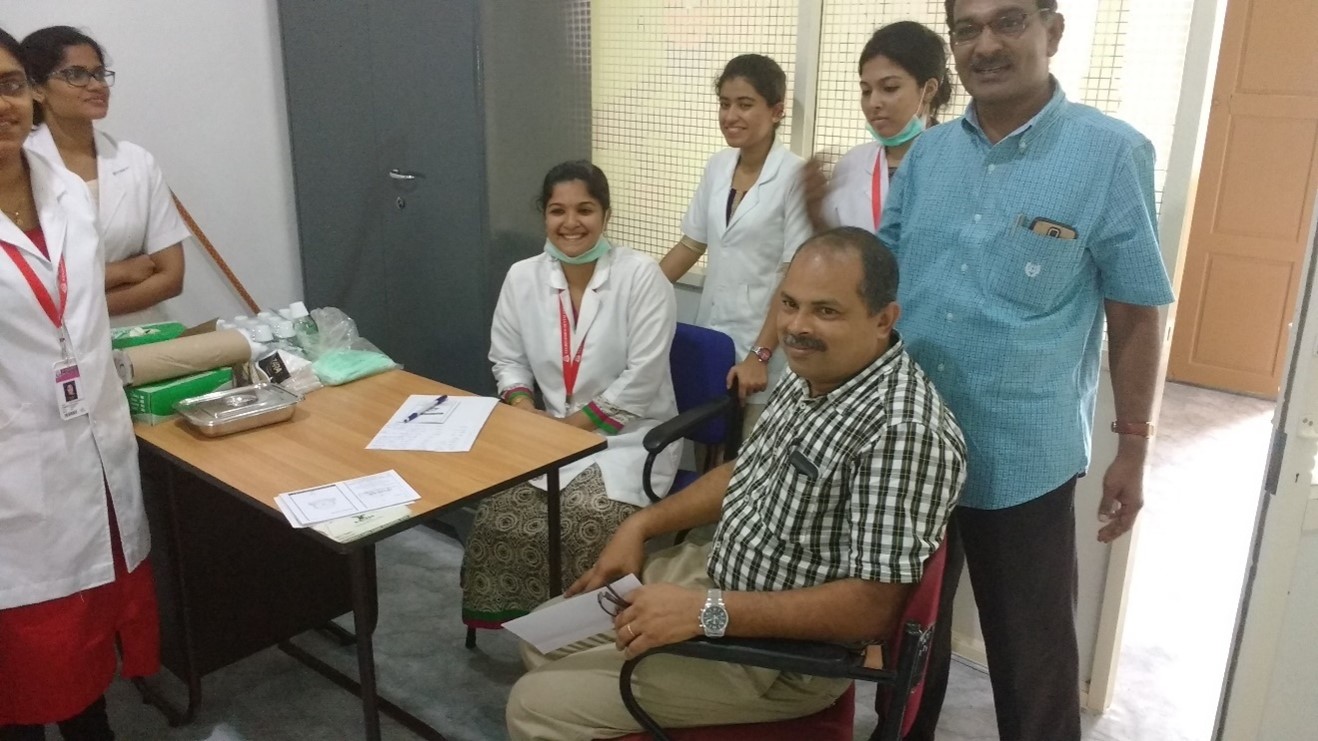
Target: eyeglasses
pixel 611 602
pixel 14 87
pixel 82 77
pixel 1009 25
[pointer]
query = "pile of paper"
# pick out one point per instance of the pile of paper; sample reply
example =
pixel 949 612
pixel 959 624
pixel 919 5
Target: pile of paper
pixel 345 499
pixel 448 426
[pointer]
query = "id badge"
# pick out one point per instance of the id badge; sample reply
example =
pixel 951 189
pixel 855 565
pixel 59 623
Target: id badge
pixel 68 390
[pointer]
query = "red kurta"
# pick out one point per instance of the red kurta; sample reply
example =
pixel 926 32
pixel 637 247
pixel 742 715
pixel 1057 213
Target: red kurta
pixel 58 656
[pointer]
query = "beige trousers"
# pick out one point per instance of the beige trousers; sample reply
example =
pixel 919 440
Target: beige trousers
pixel 572 694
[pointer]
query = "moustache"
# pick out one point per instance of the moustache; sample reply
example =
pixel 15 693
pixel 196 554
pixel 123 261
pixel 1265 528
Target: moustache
pixel 986 63
pixel 799 342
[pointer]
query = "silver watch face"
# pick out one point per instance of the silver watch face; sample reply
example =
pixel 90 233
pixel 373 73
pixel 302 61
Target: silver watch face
pixel 714 619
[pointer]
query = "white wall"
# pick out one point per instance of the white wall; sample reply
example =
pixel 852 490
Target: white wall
pixel 201 86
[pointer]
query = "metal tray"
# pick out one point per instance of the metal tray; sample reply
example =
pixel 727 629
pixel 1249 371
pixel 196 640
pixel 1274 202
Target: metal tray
pixel 235 410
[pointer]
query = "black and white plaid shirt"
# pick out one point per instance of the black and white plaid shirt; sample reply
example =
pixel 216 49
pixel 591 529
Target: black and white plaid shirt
pixel 855 484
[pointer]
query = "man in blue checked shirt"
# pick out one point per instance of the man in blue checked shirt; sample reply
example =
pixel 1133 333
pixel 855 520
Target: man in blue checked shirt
pixel 1018 229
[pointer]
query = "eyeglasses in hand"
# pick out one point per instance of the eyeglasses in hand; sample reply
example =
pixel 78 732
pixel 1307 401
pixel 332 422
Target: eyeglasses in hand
pixel 1008 25
pixel 611 602
pixel 82 77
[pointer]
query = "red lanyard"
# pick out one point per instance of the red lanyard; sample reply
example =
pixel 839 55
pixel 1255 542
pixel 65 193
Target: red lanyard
pixel 38 289
pixel 570 364
pixel 877 187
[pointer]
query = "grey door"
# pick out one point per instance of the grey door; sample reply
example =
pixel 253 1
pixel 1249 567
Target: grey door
pixel 387 142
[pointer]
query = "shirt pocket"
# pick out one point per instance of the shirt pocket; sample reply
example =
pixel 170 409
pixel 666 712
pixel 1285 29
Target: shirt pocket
pixel 803 512
pixel 1034 272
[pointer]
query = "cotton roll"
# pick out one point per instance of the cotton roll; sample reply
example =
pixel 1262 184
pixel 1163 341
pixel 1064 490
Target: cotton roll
pixel 161 361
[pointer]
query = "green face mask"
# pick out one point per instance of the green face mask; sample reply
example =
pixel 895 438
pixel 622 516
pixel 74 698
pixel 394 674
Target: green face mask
pixel 912 130
pixel 590 255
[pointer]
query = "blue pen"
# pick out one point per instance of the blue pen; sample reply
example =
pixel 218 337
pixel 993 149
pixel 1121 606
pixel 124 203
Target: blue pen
pixel 414 415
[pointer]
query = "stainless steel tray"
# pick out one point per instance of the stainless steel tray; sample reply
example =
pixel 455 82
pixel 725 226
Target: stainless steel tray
pixel 235 410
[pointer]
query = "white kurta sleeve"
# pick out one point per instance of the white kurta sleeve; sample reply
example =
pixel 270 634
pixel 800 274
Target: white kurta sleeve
pixel 164 227
pixel 651 322
pixel 512 369
pixel 796 220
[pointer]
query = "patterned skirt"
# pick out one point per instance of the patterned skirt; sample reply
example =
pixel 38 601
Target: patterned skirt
pixel 505 569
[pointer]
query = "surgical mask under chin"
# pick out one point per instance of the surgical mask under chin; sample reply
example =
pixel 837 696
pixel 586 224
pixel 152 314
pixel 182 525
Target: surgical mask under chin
pixel 912 130
pixel 590 255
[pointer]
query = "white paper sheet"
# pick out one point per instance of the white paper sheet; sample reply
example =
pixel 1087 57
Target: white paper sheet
pixel 571 620
pixel 345 498
pixel 452 427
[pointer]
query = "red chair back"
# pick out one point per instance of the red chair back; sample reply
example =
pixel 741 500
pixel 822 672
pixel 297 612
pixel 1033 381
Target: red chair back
pixel 921 609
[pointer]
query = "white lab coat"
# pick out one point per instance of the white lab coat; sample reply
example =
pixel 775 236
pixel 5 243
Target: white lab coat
pixel 850 200
pixel 746 254
pixel 627 318
pixel 54 525
pixel 135 213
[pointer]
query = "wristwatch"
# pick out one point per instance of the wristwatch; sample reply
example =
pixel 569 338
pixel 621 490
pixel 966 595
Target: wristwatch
pixel 1138 429
pixel 762 353
pixel 714 615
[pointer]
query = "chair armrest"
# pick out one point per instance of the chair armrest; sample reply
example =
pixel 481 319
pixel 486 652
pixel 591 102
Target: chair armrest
pixel 670 431
pixel 816 658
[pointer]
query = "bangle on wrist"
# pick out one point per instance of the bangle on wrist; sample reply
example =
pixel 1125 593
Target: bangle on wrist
pixel 1136 429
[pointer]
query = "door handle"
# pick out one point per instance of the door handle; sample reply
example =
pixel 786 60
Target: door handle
pixel 398 174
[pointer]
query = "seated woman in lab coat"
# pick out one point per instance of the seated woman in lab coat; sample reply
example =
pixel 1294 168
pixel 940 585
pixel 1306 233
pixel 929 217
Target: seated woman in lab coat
pixel 904 82
pixel 140 226
pixel 590 325
pixel 74 579
pixel 747 217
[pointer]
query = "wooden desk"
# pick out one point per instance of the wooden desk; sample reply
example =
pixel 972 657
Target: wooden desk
pixel 325 441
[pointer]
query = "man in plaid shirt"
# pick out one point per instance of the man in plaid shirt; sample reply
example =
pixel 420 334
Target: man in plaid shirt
pixel 824 522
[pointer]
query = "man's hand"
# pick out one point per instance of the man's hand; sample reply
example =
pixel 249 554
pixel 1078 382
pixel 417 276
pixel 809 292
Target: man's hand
pixel 814 186
pixel 1123 496
pixel 625 554
pixel 660 614
pixel 751 376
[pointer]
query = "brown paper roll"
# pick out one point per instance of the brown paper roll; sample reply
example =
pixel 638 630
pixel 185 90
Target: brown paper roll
pixel 184 356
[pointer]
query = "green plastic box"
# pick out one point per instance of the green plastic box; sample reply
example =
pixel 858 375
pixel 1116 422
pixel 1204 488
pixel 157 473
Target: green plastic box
pixel 154 402
pixel 145 334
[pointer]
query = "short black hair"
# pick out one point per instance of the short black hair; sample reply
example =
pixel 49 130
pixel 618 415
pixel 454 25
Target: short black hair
pixel 917 49
pixel 43 50
pixel 1043 5
pixel 879 275
pixel 11 45
pixel 597 185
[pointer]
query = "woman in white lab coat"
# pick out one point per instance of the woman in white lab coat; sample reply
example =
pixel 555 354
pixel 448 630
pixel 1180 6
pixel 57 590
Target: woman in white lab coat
pixel 141 229
pixel 747 217
pixel 74 579
pixel 904 82
pixel 589 325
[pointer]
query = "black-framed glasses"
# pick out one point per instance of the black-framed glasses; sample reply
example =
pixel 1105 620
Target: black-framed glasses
pixel 82 77
pixel 611 602
pixel 13 87
pixel 1010 24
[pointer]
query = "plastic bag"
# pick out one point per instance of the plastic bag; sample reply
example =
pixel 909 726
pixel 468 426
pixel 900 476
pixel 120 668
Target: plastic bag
pixel 340 354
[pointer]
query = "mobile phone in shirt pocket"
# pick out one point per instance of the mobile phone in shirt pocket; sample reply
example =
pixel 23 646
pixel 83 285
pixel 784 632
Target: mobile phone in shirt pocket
pixel 1034 271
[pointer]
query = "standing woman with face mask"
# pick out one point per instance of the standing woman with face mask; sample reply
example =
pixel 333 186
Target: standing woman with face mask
pixel 904 82
pixel 139 224
pixel 747 217
pixel 74 580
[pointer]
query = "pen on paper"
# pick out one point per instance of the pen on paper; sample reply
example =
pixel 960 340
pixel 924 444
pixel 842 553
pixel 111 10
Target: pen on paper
pixel 420 412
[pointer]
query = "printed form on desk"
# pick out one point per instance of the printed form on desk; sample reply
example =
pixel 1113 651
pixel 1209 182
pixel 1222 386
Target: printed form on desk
pixel 345 499
pixel 451 426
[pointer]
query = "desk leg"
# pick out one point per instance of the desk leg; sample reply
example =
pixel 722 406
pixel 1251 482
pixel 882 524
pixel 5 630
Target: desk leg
pixel 364 613
pixel 151 695
pixel 554 497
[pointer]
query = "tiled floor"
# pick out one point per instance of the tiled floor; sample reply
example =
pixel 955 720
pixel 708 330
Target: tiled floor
pixel 1195 530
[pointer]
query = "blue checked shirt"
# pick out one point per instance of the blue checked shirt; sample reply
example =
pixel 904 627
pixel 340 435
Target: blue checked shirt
pixel 1008 323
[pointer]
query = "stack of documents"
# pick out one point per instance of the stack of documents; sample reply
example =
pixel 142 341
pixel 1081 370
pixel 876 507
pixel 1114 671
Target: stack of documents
pixel 447 426
pixel 345 499
pixel 574 619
